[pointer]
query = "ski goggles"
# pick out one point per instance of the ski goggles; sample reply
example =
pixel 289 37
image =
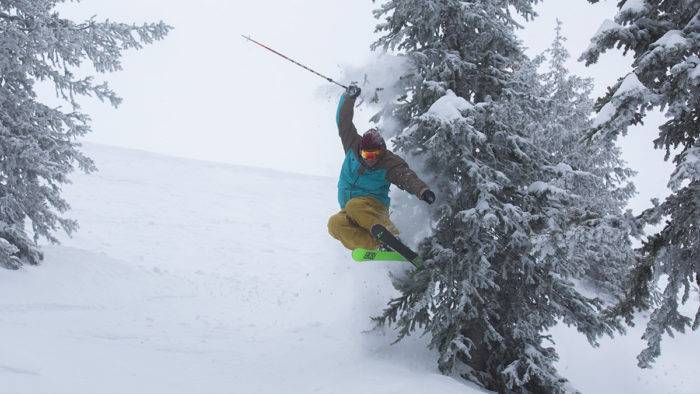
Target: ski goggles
pixel 370 154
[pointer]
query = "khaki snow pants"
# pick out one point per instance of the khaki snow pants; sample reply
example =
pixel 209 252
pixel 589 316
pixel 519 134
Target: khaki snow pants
pixel 352 224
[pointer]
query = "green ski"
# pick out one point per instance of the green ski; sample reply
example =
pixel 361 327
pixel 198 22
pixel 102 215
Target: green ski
pixel 361 255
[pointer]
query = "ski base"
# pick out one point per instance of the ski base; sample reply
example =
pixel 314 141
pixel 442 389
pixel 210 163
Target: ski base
pixel 361 255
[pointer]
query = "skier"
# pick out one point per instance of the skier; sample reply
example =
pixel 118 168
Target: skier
pixel 363 188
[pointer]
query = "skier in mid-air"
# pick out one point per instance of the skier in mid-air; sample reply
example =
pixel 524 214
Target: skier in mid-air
pixel 363 188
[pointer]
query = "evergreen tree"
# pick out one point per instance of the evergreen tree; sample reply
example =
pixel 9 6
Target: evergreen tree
pixel 600 230
pixel 664 38
pixel 38 143
pixel 497 274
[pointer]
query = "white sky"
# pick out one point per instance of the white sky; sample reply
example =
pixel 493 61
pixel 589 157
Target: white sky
pixel 206 93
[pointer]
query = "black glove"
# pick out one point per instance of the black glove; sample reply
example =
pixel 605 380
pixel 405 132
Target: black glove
pixel 428 196
pixel 353 91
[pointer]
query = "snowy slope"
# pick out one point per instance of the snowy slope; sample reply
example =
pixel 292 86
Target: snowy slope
pixel 195 277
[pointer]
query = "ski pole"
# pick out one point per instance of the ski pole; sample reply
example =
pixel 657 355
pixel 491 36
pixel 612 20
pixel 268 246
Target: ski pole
pixel 295 62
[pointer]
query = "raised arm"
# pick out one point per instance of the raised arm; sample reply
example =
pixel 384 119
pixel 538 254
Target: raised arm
pixel 343 118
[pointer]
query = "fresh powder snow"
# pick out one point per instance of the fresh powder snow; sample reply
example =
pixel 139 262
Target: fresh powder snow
pixel 449 107
pixel 633 7
pixel 671 39
pixel 197 277
pixel 630 85
pixel 694 69
pixel 604 115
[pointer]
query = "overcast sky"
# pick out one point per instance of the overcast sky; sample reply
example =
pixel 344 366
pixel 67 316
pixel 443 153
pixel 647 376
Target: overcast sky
pixel 206 93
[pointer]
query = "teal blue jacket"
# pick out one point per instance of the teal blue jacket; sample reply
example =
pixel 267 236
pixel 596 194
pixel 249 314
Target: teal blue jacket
pixel 356 178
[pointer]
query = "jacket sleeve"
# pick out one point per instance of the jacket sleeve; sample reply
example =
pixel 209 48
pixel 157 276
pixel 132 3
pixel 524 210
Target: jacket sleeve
pixel 403 177
pixel 343 118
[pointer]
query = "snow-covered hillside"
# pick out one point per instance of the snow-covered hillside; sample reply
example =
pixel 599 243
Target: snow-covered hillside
pixel 195 277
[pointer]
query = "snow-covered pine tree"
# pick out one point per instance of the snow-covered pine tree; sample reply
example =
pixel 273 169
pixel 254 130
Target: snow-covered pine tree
pixel 664 37
pixel 497 276
pixel 599 236
pixel 38 147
